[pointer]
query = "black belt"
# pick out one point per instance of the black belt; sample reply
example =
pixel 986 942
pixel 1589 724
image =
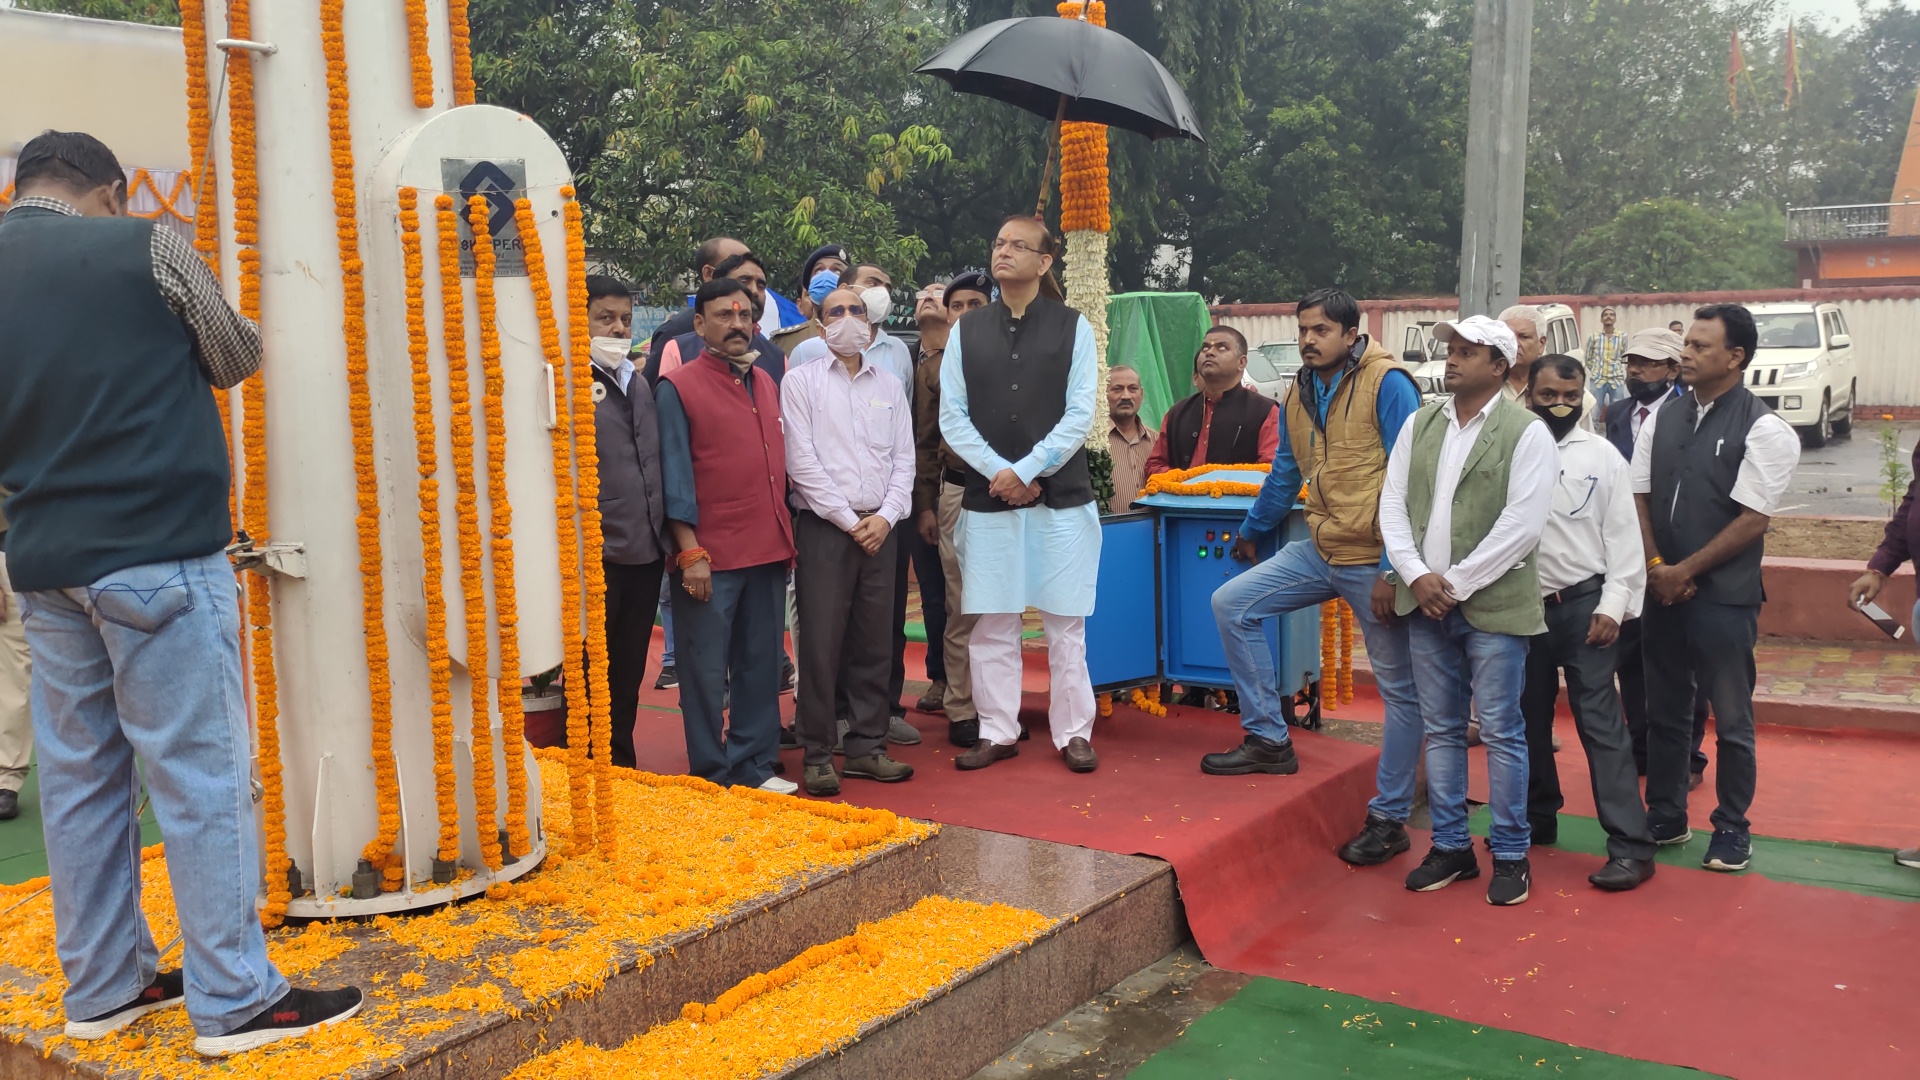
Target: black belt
pixel 1576 590
pixel 957 477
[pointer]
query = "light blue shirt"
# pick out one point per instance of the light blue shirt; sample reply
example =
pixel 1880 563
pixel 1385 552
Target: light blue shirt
pixel 1051 452
pixel 622 372
pixel 885 351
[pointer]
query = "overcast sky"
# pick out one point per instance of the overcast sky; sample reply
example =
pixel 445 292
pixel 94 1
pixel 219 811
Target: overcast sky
pixel 1845 13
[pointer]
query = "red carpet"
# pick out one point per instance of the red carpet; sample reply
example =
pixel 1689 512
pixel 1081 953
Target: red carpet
pixel 1233 841
pixel 1737 975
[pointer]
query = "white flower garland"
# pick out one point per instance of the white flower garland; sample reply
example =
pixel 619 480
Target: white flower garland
pixel 1086 289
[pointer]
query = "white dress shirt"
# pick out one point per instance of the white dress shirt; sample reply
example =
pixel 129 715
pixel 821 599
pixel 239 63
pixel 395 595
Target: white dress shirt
pixel 621 372
pixel 1594 528
pixel 849 442
pixel 1530 480
pixel 889 352
pixel 1635 421
pixel 1766 470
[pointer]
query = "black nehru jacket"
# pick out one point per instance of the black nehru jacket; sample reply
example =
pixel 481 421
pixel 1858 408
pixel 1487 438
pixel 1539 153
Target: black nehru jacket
pixel 1692 498
pixel 1016 372
pixel 1234 438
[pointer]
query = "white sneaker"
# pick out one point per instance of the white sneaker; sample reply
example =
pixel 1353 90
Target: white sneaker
pixel 779 786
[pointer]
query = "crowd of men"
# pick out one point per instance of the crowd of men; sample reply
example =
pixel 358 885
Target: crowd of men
pixel 1488 542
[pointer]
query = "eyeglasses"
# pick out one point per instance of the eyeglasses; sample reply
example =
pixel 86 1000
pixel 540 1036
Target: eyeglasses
pixel 929 294
pixel 856 310
pixel 1021 246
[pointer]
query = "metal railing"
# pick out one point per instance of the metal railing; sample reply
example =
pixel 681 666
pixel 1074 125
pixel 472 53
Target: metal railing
pixel 1849 222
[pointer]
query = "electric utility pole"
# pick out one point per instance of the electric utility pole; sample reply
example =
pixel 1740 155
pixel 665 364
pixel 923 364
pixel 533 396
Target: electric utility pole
pixel 1496 156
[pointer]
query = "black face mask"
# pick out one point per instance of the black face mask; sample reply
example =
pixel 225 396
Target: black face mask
pixel 1560 418
pixel 1646 393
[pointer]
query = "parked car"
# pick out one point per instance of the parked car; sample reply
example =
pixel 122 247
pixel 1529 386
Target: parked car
pixel 1804 368
pixel 1272 366
pixel 1426 356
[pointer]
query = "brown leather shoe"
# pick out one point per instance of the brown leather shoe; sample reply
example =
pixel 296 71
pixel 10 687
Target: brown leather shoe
pixel 1079 755
pixel 984 753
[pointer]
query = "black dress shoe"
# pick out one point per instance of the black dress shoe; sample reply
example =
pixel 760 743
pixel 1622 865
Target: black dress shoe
pixel 963 733
pixel 9 805
pixel 1379 840
pixel 1620 875
pixel 1545 831
pixel 1253 755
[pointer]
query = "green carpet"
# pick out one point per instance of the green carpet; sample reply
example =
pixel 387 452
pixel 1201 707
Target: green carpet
pixel 1282 1029
pixel 23 848
pixel 1848 867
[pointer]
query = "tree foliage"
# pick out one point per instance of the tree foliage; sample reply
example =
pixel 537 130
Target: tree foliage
pixel 160 12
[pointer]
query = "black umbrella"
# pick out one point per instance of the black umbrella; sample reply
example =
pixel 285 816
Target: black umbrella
pixel 1067 69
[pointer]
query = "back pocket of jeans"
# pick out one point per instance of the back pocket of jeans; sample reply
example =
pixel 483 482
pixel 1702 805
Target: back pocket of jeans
pixel 143 598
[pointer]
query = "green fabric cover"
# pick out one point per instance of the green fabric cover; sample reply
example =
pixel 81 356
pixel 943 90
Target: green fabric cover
pixel 1283 1029
pixel 1157 334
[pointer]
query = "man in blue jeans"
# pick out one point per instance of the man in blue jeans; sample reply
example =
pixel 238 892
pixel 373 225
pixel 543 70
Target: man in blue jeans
pixel 116 475
pixel 1335 425
pixel 1469 487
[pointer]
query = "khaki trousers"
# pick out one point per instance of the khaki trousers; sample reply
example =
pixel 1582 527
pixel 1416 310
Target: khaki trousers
pixel 954 645
pixel 16 723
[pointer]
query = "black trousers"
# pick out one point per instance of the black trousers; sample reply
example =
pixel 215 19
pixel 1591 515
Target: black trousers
pixel 844 598
pixel 1700 647
pixel 1596 716
pixel 633 594
pixel 1633 699
pixel 932 579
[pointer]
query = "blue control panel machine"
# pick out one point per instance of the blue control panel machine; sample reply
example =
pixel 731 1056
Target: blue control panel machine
pixel 1153 614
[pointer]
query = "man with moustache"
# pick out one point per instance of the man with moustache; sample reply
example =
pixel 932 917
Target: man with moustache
pixel 1130 443
pixel 710 254
pixel 1529 327
pixel 746 268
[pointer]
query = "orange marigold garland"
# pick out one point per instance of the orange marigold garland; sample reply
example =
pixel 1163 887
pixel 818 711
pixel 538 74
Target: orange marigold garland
pixel 379 850
pixel 573 672
pixel 206 223
pixel 506 608
pixel 1346 653
pixel 439 663
pixel 588 460
pixel 1175 482
pixel 419 57
pixel 467 513
pixel 457 29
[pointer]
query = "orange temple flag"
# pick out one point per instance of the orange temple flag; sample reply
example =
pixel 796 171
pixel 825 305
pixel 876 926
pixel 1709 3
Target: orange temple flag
pixel 1793 65
pixel 1736 63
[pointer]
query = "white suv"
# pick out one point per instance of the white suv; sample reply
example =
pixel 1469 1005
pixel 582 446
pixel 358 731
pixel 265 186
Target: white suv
pixel 1426 356
pixel 1804 368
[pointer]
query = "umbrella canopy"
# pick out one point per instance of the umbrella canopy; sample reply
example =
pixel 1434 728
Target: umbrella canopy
pixel 1035 62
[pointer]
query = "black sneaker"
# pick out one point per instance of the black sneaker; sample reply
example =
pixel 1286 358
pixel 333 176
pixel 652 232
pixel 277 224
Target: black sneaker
pixel 166 989
pixel 1668 833
pixel 1442 868
pixel 1253 755
pixel 1379 840
pixel 963 733
pixel 1545 832
pixel 669 678
pixel 1511 881
pixel 9 805
pixel 1728 851
pixel 300 1012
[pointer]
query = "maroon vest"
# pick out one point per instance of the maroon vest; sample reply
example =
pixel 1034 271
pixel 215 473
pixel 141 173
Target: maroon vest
pixel 741 491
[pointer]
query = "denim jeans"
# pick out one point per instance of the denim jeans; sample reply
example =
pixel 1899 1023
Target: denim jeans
pixel 1605 394
pixel 146 662
pixel 1452 660
pixel 666 619
pixel 1297 577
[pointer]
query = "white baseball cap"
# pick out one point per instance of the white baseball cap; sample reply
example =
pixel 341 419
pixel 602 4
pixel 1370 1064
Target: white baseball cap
pixel 1481 330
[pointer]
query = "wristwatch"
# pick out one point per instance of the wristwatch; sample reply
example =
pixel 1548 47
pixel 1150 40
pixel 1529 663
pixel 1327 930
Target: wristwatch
pixel 1391 578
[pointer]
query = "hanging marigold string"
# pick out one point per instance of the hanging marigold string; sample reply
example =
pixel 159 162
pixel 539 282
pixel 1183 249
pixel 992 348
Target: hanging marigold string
pixel 588 494
pixel 193 33
pixel 1329 654
pixel 573 672
pixel 439 664
pixel 1346 653
pixel 506 607
pixel 418 55
pixel 379 850
pixel 462 37
pixel 1085 219
pixel 1177 482
pixel 467 513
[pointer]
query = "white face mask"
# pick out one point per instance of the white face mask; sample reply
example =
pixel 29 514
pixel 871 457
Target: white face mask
pixel 609 351
pixel 848 336
pixel 879 301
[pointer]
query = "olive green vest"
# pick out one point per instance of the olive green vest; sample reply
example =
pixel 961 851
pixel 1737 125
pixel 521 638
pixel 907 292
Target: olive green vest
pixel 1512 604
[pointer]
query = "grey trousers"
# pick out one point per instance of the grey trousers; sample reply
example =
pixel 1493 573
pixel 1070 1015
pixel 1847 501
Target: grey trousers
pixel 1709 646
pixel 845 606
pixel 730 645
pixel 1596 716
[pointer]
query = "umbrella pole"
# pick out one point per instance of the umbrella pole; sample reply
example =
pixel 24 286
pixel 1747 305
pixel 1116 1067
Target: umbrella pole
pixel 1053 152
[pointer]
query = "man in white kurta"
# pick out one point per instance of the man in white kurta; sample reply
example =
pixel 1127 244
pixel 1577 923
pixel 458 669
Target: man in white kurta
pixel 1018 388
